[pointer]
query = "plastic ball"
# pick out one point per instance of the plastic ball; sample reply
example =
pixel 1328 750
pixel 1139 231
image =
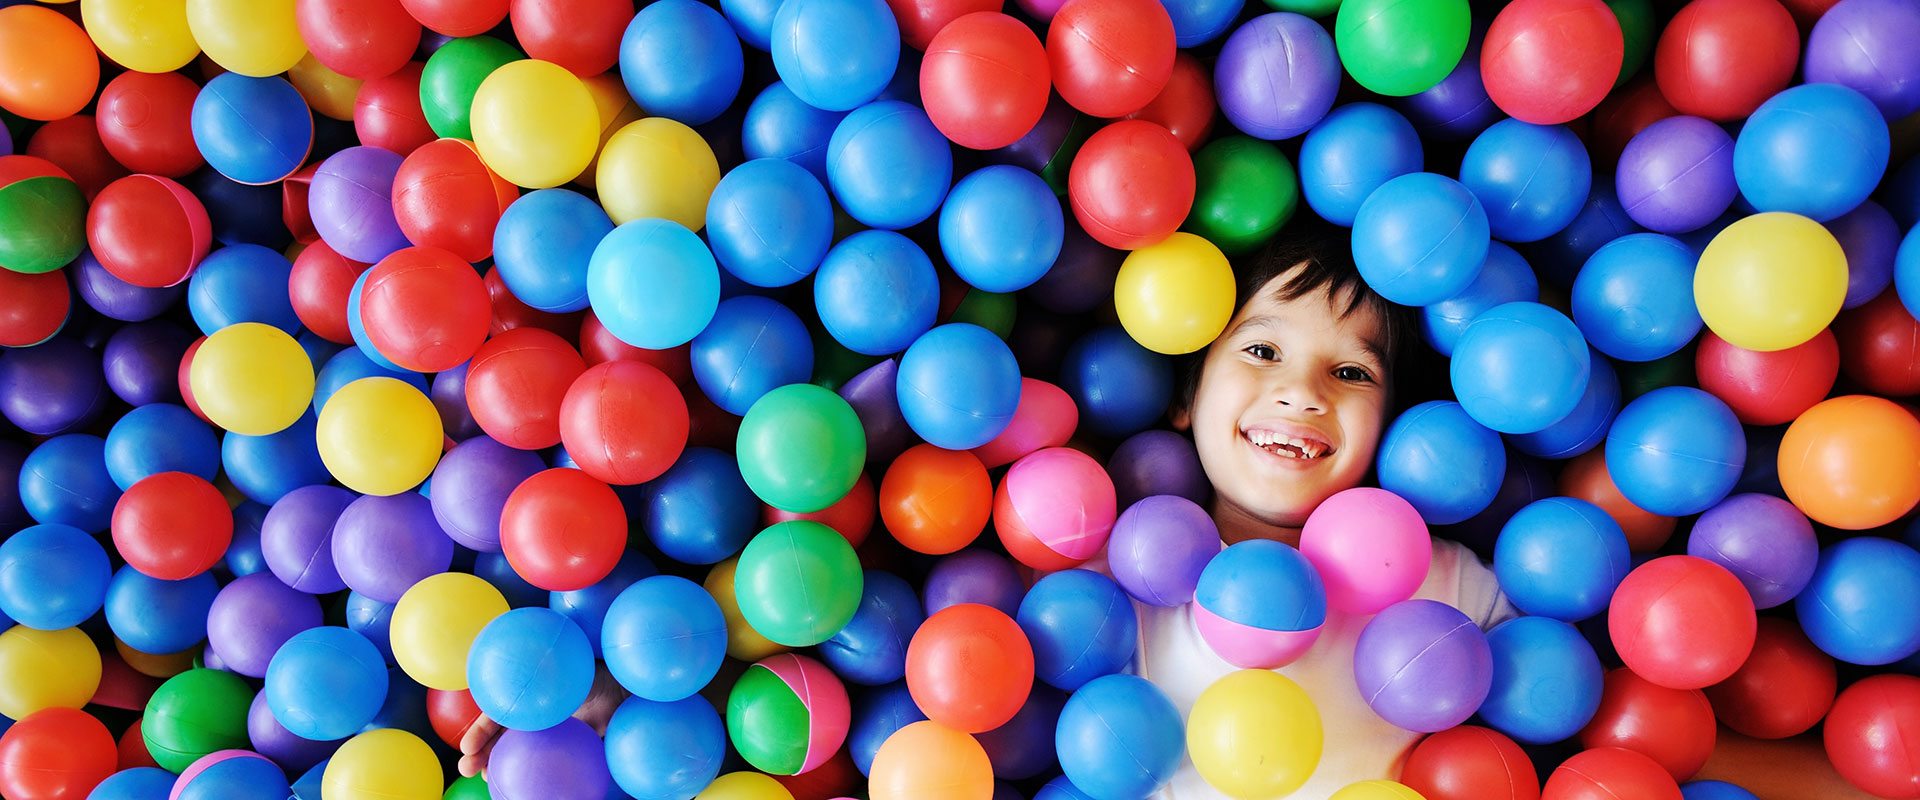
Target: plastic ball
pixel 148 231
pixel 769 222
pixel 1159 547
pixel 1682 622
pixel 872 648
pixel 700 510
pixel 1109 58
pixel 1175 296
pixel 958 386
pixel 1376 790
pixel 1001 228
pixel 46 669
pixel 1417 462
pixel 50 68
pixel 1054 508
pixel 1401 49
pixel 1586 426
pixel 1559 257
pixel 156 438
pixel 798 583
pixel 743 642
pixel 1245 191
pixel 383 764
pixel 382 545
pixel 1856 608
pixel 753 345
pixel 1259 605
pixel 352 205
pixel 1254 733
pixel 566 760
pixel 974 576
pixel 1674 727
pixel 434 625
pixel 135 782
pixel 52 577
pixel 603 396
pixel 1763 540
pixel 254 131
pixel 453 75
pixel 1782 690
pixel 1131 184
pixel 1871 354
pixel 1832 458
pixel 1496 168
pixel 1631 300
pixel 1677 175
pixel 667 43
pixel 1119 736
pixel 1520 367
pixel 801 448
pixel 1861 734
pixel 535 124
pixel 424 309
pixel 1277 76
pixel 787 714
pixel 1369 546
pixel 1351 152
pixel 530 668
pixel 1546 680
pixel 876 292
pixel 517 384
pixel 387 112
pixel 1721 59
pixel 326 683
pixel 55 754
pixel 928 761
pixel 778 124
pixel 664 638
pixel 1782 160
pixel 1504 277
pixel 65 480
pixel 1610 772
pixel 1422 665
pixel 156 616
pixel 653 284
pixel 52 388
pixel 172 525
pixel 543 244
pixel 1080 626
pixel 1561 557
pixel 1420 238
pixel 888 166
pixel 363 39
pixel 935 501
pixel 1854 45
pixel 40 308
pixel 1549 61
pixel 144 122
pixel 445 197
pixel 835 54
pixel 297 538
pixel 563 530
pixel 1770 281
pixel 391 457
pixel 970 667
pixel 1470 762
pixel 658 750
pixel 985 80
pixel 196 713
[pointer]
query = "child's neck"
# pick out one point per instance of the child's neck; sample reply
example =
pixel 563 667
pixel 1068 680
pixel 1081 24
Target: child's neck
pixel 1236 526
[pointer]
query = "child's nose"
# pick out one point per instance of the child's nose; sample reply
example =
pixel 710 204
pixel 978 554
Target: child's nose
pixel 1301 394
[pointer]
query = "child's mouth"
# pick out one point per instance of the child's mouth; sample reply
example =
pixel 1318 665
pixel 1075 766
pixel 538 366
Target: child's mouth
pixel 1285 446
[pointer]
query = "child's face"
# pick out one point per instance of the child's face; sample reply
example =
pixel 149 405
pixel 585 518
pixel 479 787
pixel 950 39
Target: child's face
pixel 1290 405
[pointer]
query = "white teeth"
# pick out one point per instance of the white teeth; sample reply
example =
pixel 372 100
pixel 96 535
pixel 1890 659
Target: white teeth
pixel 1301 448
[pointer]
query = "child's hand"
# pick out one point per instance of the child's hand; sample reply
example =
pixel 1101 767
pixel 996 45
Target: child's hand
pixel 477 744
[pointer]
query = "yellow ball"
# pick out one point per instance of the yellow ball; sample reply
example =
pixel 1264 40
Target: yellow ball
pixel 143 35
pixel 379 436
pixel 46 669
pixel 615 109
pixel 743 642
pixel 1770 281
pixel 1377 790
pixel 434 624
pixel 1254 734
pixel 656 167
pixel 1176 296
pixel 535 124
pixel 742 786
pixel 251 379
pixel 383 764
pixel 328 92
pixel 251 37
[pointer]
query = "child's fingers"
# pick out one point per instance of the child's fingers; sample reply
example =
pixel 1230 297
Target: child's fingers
pixel 476 744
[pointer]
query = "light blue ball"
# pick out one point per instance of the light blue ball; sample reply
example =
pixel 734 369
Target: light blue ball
pixel 1546 680
pixel 530 668
pixel 1420 238
pixel 1586 426
pixel 877 292
pixel 665 751
pixel 835 54
pixel 1863 604
pixel 156 616
pixel 1119 736
pixel 326 683
pixel 1906 272
pixel 243 778
pixel 1001 228
pixel 1714 790
pixel 887 164
pixel 588 607
pixel 266 468
pixel 1520 367
pixel 958 386
pixel 136 783
pixel 54 576
pixel 242 283
pixel 681 60
pixel 1817 150
pixel 754 345
pixel 752 21
pixel 1676 451
pixel 357 326
pixel 350 365
pixel 373 619
pixel 1634 298
pixel 1562 558
pixel 1081 625
pixel 1441 461
pixel 1263 584
pixel 1354 150
pixel 160 437
pixel 653 284
pixel 542 245
pixel 664 638
pixel 1505 277
pixel 770 222
pixel 1532 179
pixel 778 124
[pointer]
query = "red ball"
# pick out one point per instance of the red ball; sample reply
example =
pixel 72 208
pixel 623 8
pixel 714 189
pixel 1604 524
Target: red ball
pixel 148 230
pixel 922 20
pixel 1674 727
pixel 1623 115
pixel 55 754
pixel 425 309
pixel 1784 689
pixel 985 81
pixel 624 422
pixel 1682 622
pixel 1550 61
pixel 517 384
pixel 186 387
pixel 133 750
pixel 445 197
pixel 563 530
pixel 1470 763
pixel 145 122
pixel 320 286
pixel 1610 773
pixel 970 667
pixel 1768 388
pixel 172 526
pixel 1869 735
pixel 1880 346
pixel 582 36
pixel 1131 185
pixel 32 307
pixel 458 17
pixel 709 425
pixel 1110 58
pixel 851 516
pixel 599 346
pixel 386 112
pixel 1185 107
pixel 73 144
pixel 1807 12
pixel 510 313
pixel 451 713
pixel 362 39
pixel 1721 59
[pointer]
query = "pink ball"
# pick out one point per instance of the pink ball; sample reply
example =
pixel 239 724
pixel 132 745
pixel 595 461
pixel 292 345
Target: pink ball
pixel 1248 647
pixel 1045 418
pixel 825 699
pixel 1371 547
pixel 1054 509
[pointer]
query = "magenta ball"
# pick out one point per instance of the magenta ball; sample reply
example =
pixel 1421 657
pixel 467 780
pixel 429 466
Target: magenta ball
pixel 1677 175
pixel 471 485
pixel 1277 76
pixel 252 617
pixel 351 203
pixel 297 538
pixel 1371 547
pixel 1159 547
pixel 1763 540
pixel 384 545
pixel 1423 666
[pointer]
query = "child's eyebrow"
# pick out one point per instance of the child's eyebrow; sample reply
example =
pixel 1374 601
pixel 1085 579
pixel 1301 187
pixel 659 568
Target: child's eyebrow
pixel 1255 321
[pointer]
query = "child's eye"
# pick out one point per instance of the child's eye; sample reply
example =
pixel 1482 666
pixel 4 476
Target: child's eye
pixel 1352 374
pixel 1264 352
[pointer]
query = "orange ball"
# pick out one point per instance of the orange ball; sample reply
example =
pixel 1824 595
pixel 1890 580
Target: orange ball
pixel 1586 478
pixel 969 667
pixel 930 761
pixel 1852 462
pixel 936 501
pixel 48 67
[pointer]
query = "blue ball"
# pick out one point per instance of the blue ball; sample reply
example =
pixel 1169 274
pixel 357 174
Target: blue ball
pixel 1532 179
pixel 1504 277
pixel 588 607
pixel 542 245
pixel 1263 584
pixel 326 683
pixel 681 60
pixel 958 386
pixel 136 783
pixel 664 638
pixel 1586 426
pixel 752 21
pixel 1352 151
pixel 54 576
pixel 1714 790
pixel 243 778
pixel 877 292
pixel 1562 558
pixel 1863 604
pixel 770 222
pixel 497 570
pixel 245 556
pixel 1081 625
pixel 778 124
pixel 1061 789
pixel 406 706
pixel 1023 747
pixel 1001 228
pixel 266 468
pixel 1906 272
pixel 700 510
pixel 1437 458
pixel 1559 257
pixel 835 54
pixel 65 480
pixel 242 283
pixel 1520 367
pixel 318 349
pixel 653 284
pixel 252 130
pixel 1546 680
pixel 872 649
pixel 1817 150
pixel 245 213
pixel 1119 736
pixel 373 619
pixel 1120 387
pixel 665 751
pixel 886 163
pixel 1634 298
pixel 352 364
pixel 156 616
pixel 1676 451
pixel 530 668
pixel 1196 22
pixel 1420 238
pixel 753 346
pixel 357 326
pixel 876 715
pixel 160 437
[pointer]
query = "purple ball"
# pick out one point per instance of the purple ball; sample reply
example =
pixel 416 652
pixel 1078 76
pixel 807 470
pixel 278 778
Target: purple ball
pixel 1023 747
pixel 470 488
pixel 1457 108
pixel 449 395
pixel 1277 76
pixel 1423 666
pixel 1677 175
pixel 1763 540
pixel 872 395
pixel 51 388
pixel 1159 547
pixel 1868 46
pixel 281 746
pixel 1870 238
pixel 1155 462
pixel 1038 147
pixel 297 538
pixel 1526 481
pixel 252 616
pixel 384 545
pixel 1081 277
pixel 564 762
pixel 351 202
pixel 974 576
pixel 142 362
pixel 6 136
pixel 118 299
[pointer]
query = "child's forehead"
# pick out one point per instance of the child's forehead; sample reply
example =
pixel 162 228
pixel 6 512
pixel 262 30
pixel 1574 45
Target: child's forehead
pixel 1279 302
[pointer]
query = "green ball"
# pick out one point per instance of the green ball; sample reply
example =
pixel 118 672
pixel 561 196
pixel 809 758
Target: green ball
pixel 473 788
pixel 1311 8
pixel 767 723
pixel 1247 190
pixel 1401 47
pixel 194 713
pixel 452 76
pixel 43 221
pixel 989 310
pixel 801 448
pixel 798 583
pixel 1637 28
